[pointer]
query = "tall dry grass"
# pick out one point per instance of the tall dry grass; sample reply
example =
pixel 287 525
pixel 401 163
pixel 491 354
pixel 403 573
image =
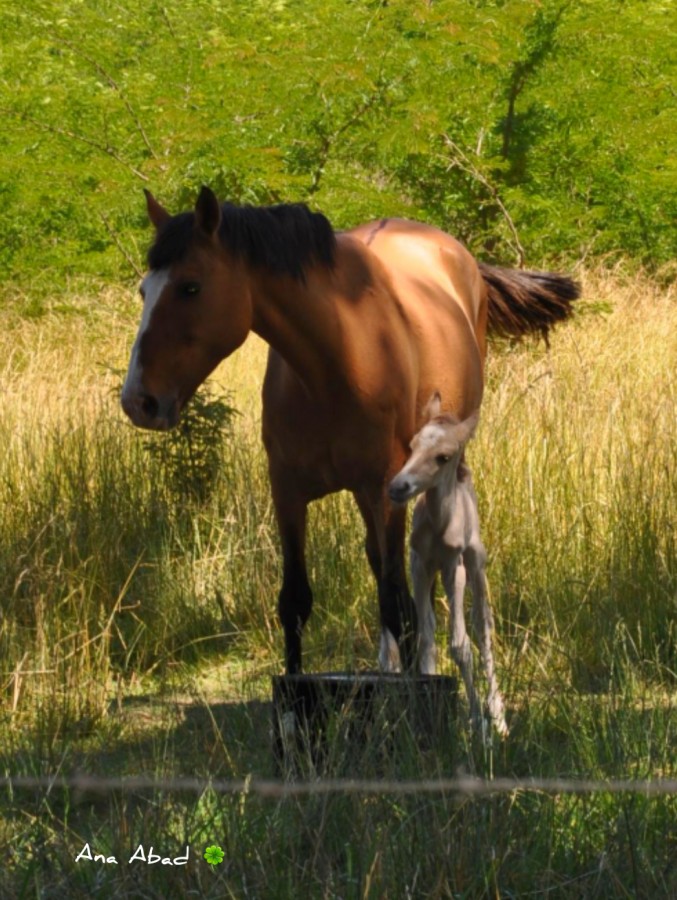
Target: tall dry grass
pixel 103 565
pixel 138 626
pixel 576 466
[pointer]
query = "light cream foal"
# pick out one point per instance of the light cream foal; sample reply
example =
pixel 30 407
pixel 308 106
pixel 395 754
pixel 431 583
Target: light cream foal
pixel 445 538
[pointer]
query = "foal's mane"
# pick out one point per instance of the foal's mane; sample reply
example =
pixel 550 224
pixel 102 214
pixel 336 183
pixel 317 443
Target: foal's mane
pixel 284 239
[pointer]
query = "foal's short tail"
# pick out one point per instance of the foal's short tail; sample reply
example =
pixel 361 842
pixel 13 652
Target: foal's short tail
pixel 525 302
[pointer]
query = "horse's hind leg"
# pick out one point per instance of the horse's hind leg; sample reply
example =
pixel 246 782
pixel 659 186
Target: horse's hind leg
pixel 398 613
pixel 295 599
pixel 385 551
pixel 374 545
pixel 483 625
pixel 454 578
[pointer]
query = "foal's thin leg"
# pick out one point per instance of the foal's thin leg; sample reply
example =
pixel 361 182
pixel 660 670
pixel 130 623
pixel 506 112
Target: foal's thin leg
pixel 423 578
pixel 475 557
pixel 295 599
pixel 453 577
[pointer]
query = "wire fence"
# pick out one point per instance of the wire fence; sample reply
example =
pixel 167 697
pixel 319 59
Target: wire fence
pixel 463 785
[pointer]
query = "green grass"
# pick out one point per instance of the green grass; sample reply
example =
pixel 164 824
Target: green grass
pixel 138 631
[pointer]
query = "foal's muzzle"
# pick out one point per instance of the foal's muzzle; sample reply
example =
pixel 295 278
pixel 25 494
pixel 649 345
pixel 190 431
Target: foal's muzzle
pixel 401 489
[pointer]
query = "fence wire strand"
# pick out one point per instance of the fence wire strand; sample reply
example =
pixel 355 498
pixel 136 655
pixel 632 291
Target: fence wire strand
pixel 462 785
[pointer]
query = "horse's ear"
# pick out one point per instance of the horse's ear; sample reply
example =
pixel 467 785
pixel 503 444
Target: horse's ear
pixel 433 407
pixel 207 212
pixel 156 213
pixel 465 429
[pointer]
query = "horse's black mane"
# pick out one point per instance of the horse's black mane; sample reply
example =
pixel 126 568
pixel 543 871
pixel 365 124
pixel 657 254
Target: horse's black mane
pixel 284 239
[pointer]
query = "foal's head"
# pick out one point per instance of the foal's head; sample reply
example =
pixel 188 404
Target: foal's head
pixel 196 310
pixel 436 451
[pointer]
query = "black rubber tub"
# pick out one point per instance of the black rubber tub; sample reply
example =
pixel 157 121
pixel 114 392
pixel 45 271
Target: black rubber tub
pixel 330 719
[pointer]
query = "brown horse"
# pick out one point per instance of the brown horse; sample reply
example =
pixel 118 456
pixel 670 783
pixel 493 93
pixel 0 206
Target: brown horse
pixel 363 326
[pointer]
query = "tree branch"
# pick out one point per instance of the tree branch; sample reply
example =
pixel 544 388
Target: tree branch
pixel 462 161
pixel 329 140
pixel 118 243
pixel 65 132
pixel 116 87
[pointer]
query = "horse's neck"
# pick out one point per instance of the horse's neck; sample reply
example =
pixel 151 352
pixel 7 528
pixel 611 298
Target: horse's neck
pixel 442 499
pixel 329 327
pixel 312 322
pixel 292 317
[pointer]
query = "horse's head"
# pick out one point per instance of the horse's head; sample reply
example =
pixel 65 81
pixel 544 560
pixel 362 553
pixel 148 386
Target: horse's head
pixel 197 310
pixel 435 449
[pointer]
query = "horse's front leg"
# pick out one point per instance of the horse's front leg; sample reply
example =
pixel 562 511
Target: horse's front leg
pixel 423 579
pixel 295 599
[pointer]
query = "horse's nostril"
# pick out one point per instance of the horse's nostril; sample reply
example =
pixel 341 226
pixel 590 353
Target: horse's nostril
pixel 398 488
pixel 150 406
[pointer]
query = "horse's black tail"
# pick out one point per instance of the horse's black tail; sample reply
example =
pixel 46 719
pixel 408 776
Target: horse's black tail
pixel 526 302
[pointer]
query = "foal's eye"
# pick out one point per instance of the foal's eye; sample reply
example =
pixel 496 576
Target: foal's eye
pixel 442 459
pixel 190 289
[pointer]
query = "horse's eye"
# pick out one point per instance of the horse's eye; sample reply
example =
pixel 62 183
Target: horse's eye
pixel 442 459
pixel 190 289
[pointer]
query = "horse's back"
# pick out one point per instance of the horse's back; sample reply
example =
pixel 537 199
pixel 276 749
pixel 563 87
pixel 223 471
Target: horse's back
pixel 415 253
pixel 444 297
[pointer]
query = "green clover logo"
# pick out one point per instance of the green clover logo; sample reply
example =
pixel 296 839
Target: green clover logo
pixel 214 855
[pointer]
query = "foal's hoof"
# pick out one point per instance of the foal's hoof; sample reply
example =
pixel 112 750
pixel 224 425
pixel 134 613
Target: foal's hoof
pixel 484 727
pixel 501 727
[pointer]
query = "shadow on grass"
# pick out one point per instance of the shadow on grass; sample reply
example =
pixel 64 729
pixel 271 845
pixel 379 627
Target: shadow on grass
pixel 349 846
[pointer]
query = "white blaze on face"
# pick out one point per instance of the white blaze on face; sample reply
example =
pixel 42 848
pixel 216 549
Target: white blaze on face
pixel 429 441
pixel 431 435
pixel 152 286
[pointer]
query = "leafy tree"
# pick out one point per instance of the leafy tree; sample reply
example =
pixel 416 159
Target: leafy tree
pixel 530 130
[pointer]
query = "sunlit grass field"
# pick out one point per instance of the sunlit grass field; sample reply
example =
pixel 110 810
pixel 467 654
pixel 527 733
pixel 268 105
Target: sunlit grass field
pixel 138 628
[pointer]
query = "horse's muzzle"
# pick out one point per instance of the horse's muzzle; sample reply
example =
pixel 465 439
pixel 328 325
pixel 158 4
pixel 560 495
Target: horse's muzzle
pixel 401 489
pixel 148 411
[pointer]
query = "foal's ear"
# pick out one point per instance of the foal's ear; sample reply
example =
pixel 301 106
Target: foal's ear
pixel 433 407
pixel 156 213
pixel 464 430
pixel 207 212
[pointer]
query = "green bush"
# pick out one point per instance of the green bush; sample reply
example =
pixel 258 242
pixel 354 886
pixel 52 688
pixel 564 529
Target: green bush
pixel 559 116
